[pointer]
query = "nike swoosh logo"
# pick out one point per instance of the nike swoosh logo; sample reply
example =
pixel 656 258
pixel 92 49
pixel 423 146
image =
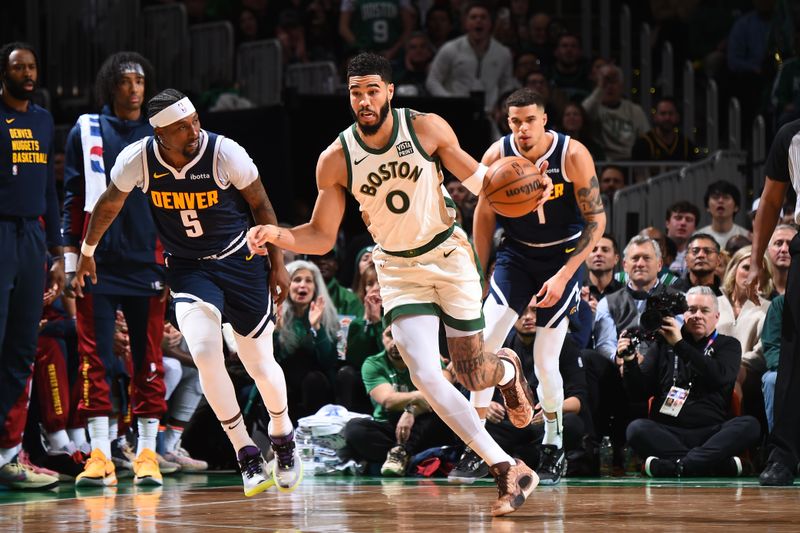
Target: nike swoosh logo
pixel 236 424
pixel 447 254
pixel 150 378
pixel 249 257
pixel 10 120
pixel 569 250
pixel 357 161
pixel 156 176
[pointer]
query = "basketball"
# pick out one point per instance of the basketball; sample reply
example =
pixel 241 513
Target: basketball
pixel 512 186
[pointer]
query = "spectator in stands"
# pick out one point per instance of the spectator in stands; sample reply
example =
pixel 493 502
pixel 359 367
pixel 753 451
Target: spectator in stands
pixel 747 47
pixel 305 340
pixel 779 257
pixel 438 25
pixel 410 79
pixel 723 200
pixel 690 373
pixel 612 179
pixel 345 302
pixel 525 64
pixel 702 258
pixel 363 260
pixel 538 41
pixel 465 200
pixel 743 320
pixel 474 61
pixel 554 99
pixel 364 338
pixel 574 123
pixel 570 71
pixel 771 342
pixel 665 142
pixel 598 62
pixel 665 275
pixel 402 423
pixel 681 223
pixel 381 26
pixel 526 443
pixel 616 122
pixel 292 35
pixel 601 263
pixel 736 242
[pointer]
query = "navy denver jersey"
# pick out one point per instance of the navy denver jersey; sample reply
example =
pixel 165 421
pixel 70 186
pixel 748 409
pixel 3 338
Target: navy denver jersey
pixel 560 218
pixel 198 210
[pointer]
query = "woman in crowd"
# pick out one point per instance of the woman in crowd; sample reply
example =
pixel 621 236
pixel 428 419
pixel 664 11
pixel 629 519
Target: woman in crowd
pixel 305 340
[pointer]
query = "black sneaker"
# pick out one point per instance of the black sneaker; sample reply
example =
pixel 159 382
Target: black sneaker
pixel 733 467
pixel 68 466
pixel 655 467
pixel 552 464
pixel 469 467
pixel 776 475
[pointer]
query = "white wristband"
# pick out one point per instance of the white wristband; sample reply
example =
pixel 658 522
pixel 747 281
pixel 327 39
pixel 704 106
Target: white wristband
pixel 87 249
pixel 474 183
pixel 70 262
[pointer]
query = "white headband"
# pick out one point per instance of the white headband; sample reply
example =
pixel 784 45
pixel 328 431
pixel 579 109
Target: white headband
pixel 169 115
pixel 131 68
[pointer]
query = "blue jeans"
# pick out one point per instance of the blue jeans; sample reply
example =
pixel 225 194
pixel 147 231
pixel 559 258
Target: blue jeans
pixel 768 388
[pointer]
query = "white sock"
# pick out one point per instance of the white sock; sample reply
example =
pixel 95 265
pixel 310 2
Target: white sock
pixel 509 372
pixel 258 359
pixel 98 434
pixel 172 436
pixel 113 430
pixel 77 436
pixel 417 340
pixel 58 440
pixel 148 431
pixel 8 454
pixel 553 432
pixel 237 432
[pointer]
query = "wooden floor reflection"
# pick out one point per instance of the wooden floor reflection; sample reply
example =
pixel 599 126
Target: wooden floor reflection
pixel 194 503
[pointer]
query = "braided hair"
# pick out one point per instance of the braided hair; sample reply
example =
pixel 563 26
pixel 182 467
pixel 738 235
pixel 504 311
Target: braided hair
pixel 109 76
pixel 163 100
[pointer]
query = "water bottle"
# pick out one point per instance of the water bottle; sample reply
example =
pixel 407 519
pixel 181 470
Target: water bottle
pixel 307 455
pixel 606 457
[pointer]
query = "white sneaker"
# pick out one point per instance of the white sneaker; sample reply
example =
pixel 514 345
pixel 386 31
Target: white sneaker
pixel 186 461
pixel 287 467
pixel 255 475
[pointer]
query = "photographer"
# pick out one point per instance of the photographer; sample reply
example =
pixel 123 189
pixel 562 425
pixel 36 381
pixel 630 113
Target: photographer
pixel 689 373
pixel 620 311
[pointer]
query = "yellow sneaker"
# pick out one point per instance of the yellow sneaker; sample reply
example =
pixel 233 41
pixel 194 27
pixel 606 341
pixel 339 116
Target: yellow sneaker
pixel 145 469
pixel 99 471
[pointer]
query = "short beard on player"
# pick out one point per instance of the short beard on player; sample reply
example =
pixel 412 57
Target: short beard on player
pixel 18 90
pixel 372 130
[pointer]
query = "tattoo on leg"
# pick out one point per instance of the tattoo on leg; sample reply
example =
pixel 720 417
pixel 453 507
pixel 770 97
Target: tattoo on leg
pixel 475 368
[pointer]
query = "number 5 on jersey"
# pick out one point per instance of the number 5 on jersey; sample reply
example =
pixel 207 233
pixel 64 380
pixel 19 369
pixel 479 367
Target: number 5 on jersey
pixel 191 222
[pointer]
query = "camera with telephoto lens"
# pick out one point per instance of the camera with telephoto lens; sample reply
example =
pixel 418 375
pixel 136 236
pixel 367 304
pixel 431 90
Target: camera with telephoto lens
pixel 637 336
pixel 659 306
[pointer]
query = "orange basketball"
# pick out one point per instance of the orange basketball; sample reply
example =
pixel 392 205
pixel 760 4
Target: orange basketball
pixel 512 186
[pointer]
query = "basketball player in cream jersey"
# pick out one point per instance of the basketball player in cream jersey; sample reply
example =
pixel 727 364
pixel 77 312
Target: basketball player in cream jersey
pixel 390 160
pixel 541 257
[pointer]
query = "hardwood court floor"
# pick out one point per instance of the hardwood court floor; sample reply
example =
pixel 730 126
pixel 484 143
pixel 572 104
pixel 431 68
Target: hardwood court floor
pixel 215 502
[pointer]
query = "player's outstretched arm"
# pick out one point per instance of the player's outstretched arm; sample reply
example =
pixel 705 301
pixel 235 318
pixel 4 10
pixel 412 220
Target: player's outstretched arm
pixel 105 211
pixel 319 234
pixel 579 167
pixel 263 213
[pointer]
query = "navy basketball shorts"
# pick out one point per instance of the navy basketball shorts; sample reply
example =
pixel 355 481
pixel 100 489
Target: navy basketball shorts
pixel 236 285
pixel 520 271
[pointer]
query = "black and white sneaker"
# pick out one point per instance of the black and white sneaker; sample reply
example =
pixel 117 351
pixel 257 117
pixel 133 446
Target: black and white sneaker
pixel 468 468
pixel 552 464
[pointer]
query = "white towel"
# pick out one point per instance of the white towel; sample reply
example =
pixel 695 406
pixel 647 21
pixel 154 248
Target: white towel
pixel 94 173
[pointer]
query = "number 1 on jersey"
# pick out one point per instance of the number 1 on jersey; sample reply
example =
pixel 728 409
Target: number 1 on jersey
pixel 191 222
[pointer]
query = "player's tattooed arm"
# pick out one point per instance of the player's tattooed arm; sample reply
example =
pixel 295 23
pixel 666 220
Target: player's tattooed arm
pixel 414 114
pixel 591 205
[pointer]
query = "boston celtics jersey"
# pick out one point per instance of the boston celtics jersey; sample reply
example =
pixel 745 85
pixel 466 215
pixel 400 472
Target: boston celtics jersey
pixel 560 218
pixel 376 23
pixel 399 187
pixel 198 210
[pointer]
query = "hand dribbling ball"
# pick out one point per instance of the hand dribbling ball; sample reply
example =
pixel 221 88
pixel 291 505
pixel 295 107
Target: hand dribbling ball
pixel 512 186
